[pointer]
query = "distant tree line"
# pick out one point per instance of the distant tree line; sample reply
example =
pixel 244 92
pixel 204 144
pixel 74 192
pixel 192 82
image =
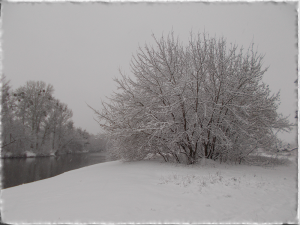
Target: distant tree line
pixel 36 123
pixel 202 100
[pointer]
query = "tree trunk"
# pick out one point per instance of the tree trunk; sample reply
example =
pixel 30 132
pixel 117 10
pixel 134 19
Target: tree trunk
pixel 163 157
pixel 176 157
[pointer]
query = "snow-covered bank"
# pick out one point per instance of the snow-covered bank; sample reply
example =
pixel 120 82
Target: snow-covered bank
pixel 28 154
pixel 151 191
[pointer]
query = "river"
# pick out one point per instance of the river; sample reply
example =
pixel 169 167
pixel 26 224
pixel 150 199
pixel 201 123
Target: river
pixel 16 171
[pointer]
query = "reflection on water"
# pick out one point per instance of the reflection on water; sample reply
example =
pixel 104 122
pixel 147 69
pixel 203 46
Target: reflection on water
pixel 18 171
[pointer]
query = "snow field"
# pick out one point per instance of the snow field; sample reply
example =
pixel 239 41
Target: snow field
pixel 155 192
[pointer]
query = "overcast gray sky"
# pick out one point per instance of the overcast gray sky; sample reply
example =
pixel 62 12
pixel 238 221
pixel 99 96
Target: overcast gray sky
pixel 79 48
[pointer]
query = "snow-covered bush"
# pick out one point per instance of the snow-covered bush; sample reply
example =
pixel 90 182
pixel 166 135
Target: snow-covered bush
pixel 203 100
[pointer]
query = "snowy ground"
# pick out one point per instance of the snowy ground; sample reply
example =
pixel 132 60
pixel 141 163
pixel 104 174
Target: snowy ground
pixel 151 191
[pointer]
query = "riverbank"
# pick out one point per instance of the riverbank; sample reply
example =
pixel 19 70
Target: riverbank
pixel 34 155
pixel 17 171
pixel 152 191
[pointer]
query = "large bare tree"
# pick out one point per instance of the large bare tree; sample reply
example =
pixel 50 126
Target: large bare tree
pixel 202 100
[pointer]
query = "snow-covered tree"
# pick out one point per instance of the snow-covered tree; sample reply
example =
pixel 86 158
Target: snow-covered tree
pixel 204 100
pixel 33 102
pixel 33 120
pixel 13 135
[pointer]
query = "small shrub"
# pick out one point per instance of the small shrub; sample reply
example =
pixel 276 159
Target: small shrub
pixel 203 183
pixel 259 160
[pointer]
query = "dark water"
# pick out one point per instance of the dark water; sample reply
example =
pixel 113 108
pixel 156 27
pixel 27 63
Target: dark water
pixel 18 171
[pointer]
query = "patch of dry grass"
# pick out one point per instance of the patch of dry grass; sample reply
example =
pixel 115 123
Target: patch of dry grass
pixel 211 179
